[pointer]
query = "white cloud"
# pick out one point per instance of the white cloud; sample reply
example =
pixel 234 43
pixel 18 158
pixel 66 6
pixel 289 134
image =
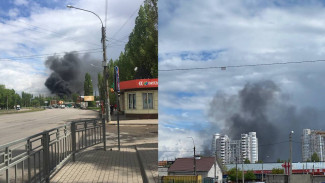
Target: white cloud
pixel 59 30
pixel 13 12
pixel 247 33
pixel 178 146
pixel 22 77
pixel 21 2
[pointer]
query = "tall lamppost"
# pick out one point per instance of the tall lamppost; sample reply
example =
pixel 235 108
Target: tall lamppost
pixel 194 166
pixel 263 169
pixel 104 63
pixel 290 164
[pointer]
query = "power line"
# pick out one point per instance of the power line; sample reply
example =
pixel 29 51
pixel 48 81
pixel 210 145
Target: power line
pixel 50 54
pixel 271 144
pixel 95 50
pixel 58 35
pixel 126 21
pixel 239 66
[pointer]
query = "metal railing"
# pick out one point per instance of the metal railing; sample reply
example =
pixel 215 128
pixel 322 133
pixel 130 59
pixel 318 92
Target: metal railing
pixel 35 158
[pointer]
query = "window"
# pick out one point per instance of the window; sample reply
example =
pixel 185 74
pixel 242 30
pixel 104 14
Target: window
pixel 147 100
pixel 132 101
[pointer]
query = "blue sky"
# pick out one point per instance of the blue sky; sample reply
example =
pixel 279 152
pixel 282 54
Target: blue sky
pixel 32 30
pixel 219 33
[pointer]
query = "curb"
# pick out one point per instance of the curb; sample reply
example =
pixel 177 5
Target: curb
pixel 143 172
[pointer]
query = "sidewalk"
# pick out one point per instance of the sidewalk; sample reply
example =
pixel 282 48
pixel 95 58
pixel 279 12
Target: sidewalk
pixel 128 165
pixel 96 165
pixel 136 122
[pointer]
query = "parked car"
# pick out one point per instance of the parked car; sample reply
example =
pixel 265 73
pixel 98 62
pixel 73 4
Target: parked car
pixel 18 107
pixel 62 106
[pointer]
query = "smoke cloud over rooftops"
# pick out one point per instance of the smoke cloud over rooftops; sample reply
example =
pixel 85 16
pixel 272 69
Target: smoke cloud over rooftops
pixel 263 108
pixel 69 73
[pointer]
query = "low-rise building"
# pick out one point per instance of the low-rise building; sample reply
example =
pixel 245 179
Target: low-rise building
pixel 139 98
pixel 207 167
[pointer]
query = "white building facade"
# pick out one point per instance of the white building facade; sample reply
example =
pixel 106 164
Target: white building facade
pixel 220 146
pixel 229 151
pixel 312 142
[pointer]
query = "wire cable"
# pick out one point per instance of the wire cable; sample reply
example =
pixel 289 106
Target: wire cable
pixel 127 21
pixel 47 55
pixel 240 66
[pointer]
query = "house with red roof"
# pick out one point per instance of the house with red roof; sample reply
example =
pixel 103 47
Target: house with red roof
pixel 207 167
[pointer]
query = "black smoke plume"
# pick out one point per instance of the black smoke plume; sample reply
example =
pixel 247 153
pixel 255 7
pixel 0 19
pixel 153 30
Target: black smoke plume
pixel 263 108
pixel 68 73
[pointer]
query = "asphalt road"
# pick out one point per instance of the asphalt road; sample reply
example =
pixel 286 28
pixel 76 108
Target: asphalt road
pixel 21 125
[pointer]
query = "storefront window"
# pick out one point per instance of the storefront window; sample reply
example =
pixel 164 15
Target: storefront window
pixel 132 101
pixel 147 100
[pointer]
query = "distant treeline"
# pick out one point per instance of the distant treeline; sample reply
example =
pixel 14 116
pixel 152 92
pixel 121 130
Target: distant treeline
pixel 9 98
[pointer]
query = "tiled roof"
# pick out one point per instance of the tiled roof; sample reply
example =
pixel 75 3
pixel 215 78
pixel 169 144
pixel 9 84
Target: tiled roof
pixel 204 164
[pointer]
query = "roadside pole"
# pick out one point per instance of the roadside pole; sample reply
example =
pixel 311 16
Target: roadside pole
pixel 236 170
pixel 105 76
pixel 117 91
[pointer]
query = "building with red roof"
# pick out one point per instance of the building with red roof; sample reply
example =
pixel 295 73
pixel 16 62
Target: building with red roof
pixel 205 166
pixel 139 98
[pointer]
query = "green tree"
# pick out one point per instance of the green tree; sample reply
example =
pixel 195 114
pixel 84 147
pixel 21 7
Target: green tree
pixel 88 86
pixel 314 157
pixel 8 98
pixel 232 174
pixel 247 161
pixel 277 171
pixel 249 175
pixel 74 97
pixel 26 99
pixel 141 51
pixel 279 160
pixel 259 161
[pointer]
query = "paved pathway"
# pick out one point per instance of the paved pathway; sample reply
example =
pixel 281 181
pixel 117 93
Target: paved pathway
pixel 96 165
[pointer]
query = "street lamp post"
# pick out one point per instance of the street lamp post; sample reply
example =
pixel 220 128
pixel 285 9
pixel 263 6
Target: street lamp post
pixel 194 166
pixel 236 169
pixel 290 164
pixel 104 63
pixel 242 167
pixel 263 169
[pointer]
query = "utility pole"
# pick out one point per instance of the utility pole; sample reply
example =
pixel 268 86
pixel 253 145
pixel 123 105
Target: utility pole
pixel 215 166
pixel 242 167
pixel 194 160
pixel 104 63
pixel 290 164
pixel 262 172
pixel 236 170
pixel 105 75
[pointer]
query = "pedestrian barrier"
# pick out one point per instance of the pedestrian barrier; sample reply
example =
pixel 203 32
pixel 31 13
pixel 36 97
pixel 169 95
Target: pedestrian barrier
pixel 35 158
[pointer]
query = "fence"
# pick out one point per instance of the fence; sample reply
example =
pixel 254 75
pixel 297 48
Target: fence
pixel 35 158
pixel 181 179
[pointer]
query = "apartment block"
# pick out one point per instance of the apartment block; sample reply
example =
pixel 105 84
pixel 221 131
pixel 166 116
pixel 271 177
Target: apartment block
pixel 229 151
pixel 312 141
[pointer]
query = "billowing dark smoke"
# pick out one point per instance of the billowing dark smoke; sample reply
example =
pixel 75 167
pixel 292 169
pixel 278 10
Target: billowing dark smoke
pixel 69 73
pixel 263 108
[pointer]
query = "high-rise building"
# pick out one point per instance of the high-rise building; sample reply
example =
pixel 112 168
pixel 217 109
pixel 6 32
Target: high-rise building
pixel 312 142
pixel 235 146
pixel 220 146
pixel 230 151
